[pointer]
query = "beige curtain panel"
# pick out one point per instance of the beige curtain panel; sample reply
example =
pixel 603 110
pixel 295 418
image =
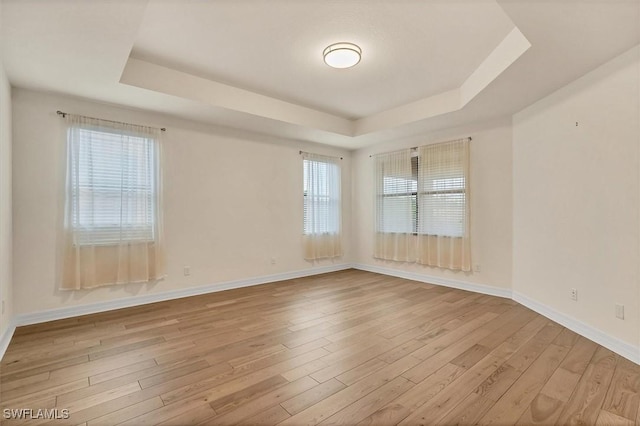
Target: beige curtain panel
pixel 422 206
pixel 322 237
pixel 396 188
pixel 322 246
pixel 113 204
pixel 443 205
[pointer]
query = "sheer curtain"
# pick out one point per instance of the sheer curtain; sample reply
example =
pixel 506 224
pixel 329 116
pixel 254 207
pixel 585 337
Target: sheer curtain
pixel 322 212
pixel 113 206
pixel 443 205
pixel 422 206
pixel 396 197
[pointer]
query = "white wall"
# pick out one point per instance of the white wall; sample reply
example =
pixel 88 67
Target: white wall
pixel 6 279
pixel 576 209
pixel 233 200
pixel 491 202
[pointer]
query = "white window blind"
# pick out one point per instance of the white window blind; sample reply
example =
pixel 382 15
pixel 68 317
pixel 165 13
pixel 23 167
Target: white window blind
pixel 321 196
pixel 113 197
pixel 397 188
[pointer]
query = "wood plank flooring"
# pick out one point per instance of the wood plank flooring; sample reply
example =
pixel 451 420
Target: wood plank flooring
pixel 349 347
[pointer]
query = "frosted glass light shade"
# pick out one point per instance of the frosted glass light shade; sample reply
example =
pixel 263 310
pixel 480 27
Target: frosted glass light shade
pixel 342 55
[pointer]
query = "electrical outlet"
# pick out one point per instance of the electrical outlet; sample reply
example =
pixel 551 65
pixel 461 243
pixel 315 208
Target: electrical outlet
pixel 476 267
pixel 273 260
pixel 3 307
pixel 574 294
pixel 186 270
pixel 620 311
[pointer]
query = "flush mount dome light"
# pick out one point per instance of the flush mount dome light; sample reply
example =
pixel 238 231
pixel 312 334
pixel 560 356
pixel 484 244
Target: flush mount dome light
pixel 342 55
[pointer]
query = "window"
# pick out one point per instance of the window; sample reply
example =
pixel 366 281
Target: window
pixel 422 208
pixel 422 194
pixel 114 198
pixel 399 209
pixel 321 197
pixel 322 211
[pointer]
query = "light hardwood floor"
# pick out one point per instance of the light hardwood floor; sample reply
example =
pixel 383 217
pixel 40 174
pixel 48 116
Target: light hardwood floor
pixel 349 347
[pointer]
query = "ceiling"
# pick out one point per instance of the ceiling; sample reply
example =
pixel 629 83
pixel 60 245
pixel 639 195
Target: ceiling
pixel 257 64
pixel 410 52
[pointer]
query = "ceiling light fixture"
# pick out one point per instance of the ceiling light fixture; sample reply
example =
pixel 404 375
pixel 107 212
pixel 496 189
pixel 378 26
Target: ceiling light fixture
pixel 342 55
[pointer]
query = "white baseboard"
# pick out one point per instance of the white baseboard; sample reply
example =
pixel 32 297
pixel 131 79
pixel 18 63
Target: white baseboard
pixel 5 339
pixel 93 308
pixel 430 279
pixel 624 349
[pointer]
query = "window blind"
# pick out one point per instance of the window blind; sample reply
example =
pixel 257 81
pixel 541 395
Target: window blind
pixel 113 198
pixel 397 186
pixel 321 195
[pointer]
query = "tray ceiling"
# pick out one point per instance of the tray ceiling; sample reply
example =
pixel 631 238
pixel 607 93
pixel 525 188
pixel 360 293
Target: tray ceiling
pixel 257 64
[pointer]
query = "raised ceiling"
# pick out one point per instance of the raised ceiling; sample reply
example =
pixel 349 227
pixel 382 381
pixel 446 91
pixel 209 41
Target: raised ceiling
pixel 412 50
pixel 257 65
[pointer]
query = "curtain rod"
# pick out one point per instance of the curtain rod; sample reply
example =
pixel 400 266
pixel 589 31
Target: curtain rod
pixel 305 152
pixel 64 114
pixel 469 138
